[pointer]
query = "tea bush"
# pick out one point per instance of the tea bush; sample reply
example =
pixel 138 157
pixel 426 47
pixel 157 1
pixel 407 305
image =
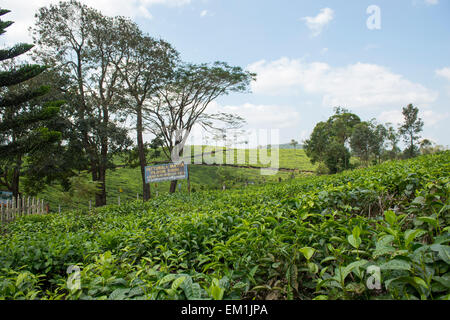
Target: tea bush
pixel 376 233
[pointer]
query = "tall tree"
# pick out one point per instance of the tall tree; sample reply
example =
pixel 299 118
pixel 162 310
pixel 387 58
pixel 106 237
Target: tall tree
pixel 22 123
pixel 337 157
pixel 342 123
pixel 182 103
pixel 410 129
pixel 146 65
pixel 316 145
pixel 362 139
pixel 427 146
pixel 368 141
pixel 377 146
pixel 322 146
pixel 79 42
pixel 393 137
pixel 294 143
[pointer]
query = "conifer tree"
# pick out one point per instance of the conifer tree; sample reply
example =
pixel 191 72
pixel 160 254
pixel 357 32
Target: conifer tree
pixel 22 122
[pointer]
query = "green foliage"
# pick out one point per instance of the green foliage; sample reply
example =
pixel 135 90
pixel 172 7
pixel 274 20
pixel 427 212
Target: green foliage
pixel 81 189
pixel 322 169
pixel 337 157
pixel 328 139
pixel 361 140
pixel 312 238
pixel 23 124
pixel 410 129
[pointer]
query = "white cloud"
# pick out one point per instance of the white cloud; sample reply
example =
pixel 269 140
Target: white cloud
pixel 317 23
pixel 394 116
pixel 432 2
pixel 354 86
pixel 203 13
pixel 22 13
pixel 261 116
pixel 444 72
pixel 429 117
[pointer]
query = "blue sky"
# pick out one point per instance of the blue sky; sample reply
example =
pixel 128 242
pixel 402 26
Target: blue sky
pixel 310 56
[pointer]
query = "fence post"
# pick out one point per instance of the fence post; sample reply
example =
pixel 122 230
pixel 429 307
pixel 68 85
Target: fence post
pixel 23 205
pixel 7 210
pixel 28 205
pixel 42 206
pixel 119 200
pixel 90 205
pixel 11 213
pixel 19 209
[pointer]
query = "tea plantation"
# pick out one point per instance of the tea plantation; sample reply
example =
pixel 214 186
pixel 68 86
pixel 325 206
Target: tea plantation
pixel 377 233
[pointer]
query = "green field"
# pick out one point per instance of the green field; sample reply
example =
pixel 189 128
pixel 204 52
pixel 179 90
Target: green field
pixel 311 238
pixel 202 178
pixel 288 158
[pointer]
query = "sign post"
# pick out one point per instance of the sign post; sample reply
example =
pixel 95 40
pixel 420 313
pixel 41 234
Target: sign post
pixel 166 172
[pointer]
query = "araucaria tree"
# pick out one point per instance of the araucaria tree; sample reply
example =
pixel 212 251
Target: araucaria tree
pixel 22 122
pixel 410 129
pixel 81 44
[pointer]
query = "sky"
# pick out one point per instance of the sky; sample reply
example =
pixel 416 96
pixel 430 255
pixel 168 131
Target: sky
pixel 372 57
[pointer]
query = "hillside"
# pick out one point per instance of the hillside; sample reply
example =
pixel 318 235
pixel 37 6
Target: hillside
pixel 328 237
pixel 203 177
pixel 288 158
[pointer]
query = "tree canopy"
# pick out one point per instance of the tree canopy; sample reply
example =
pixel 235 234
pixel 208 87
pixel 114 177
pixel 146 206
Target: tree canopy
pixel 23 127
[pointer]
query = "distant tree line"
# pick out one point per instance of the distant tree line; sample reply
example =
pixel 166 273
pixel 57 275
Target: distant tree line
pixel 344 134
pixel 94 79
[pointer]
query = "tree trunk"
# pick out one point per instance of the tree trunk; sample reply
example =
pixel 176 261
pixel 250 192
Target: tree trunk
pixel 173 186
pixel 16 177
pixel 98 172
pixel 189 180
pixel 142 159
pixel 100 197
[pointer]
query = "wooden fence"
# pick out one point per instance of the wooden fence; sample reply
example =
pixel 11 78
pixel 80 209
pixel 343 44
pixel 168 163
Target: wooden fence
pixel 19 207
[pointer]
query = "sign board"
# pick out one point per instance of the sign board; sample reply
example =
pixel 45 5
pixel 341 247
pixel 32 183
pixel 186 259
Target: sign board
pixel 166 172
pixel 5 196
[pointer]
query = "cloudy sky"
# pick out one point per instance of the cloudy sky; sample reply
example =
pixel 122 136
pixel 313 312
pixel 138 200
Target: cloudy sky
pixel 310 56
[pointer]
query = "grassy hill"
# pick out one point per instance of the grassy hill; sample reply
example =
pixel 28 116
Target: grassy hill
pixel 317 238
pixel 202 177
pixel 288 158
